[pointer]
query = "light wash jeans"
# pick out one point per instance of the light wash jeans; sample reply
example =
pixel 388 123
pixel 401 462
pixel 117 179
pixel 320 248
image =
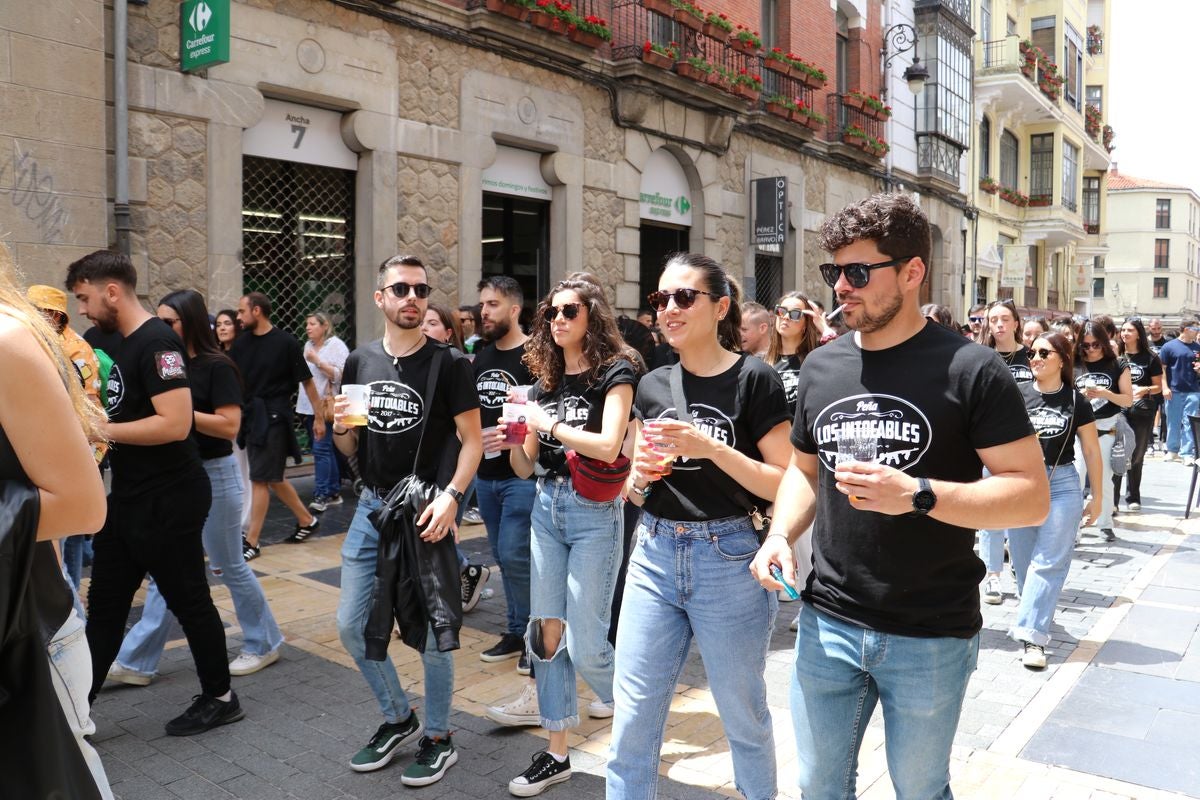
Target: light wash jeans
pixel 843 671
pixel 71 672
pixel 143 645
pixel 359 555
pixel 1107 440
pixel 692 580
pixel 1041 556
pixel 327 481
pixel 575 555
pixel 506 507
pixel 991 549
pixel 1179 408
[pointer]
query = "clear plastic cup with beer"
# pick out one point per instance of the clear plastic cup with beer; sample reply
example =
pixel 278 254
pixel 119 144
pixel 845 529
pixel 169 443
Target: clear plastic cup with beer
pixel 357 404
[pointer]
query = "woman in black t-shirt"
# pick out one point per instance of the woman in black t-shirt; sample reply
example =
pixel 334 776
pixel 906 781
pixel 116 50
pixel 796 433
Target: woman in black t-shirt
pixel 580 402
pixel 1146 375
pixel 1104 380
pixel 1041 555
pixel 712 443
pixel 793 336
pixel 217 410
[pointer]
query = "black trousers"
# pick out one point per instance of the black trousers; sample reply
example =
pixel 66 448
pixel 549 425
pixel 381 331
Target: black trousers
pixel 1143 430
pixel 157 533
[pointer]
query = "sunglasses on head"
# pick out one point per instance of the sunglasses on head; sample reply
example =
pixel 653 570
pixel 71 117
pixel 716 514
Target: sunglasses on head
pixel 1043 353
pixel 794 314
pixel 401 289
pixel 568 310
pixel 857 274
pixel 684 298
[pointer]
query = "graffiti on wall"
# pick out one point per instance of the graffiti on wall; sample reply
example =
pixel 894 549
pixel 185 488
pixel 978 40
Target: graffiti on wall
pixel 32 193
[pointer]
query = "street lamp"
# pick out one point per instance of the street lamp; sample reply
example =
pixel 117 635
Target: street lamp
pixel 900 38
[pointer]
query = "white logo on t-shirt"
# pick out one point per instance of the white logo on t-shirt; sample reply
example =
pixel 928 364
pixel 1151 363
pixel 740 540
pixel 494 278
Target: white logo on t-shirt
pixel 115 390
pixel 1021 373
pixel 1049 422
pixel 575 409
pixel 1100 380
pixel 791 382
pixel 1136 372
pixel 492 386
pixel 394 407
pixel 709 420
pixel 902 432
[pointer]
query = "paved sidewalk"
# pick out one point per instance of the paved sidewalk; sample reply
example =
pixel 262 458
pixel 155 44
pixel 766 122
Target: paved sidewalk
pixel 1113 716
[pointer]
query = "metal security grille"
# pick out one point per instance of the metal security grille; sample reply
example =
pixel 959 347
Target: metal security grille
pixel 768 276
pixel 298 241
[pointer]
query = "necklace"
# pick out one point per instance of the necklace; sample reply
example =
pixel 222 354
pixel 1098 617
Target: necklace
pixel 1055 390
pixel 1008 357
pixel 409 351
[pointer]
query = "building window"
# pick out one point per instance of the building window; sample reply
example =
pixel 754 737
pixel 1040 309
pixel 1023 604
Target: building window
pixel 1162 253
pixel 770 22
pixel 1095 97
pixel 985 20
pixel 1162 214
pixel 1091 205
pixel 1042 35
pixel 944 107
pixel 842 53
pixel 1008 160
pixel 1097 287
pixel 1072 71
pixel 1041 168
pixel 1011 28
pixel 1070 176
pixel 985 148
pixel 1160 288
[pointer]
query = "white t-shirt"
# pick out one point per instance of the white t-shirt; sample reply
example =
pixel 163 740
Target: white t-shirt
pixel 334 353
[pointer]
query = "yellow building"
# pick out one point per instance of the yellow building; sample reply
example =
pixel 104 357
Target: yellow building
pixel 1153 265
pixel 1041 156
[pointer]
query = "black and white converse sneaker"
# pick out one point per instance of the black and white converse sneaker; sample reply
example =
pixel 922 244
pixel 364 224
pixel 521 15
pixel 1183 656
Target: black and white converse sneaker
pixel 544 772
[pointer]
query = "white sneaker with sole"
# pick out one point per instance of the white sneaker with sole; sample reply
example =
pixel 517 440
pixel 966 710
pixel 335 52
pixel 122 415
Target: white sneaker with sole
pixel 1034 656
pixel 247 664
pixel 519 712
pixel 127 676
pixel 1135 506
pixel 599 710
pixel 992 595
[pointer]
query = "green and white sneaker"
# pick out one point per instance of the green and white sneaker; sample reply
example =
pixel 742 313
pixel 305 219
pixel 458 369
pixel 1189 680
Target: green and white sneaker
pixel 384 744
pixel 434 757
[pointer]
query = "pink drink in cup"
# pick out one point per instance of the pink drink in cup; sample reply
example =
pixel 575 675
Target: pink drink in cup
pixel 515 428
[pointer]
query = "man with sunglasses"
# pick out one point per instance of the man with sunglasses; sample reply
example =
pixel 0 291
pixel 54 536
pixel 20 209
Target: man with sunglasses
pixel 396 369
pixel 893 598
pixel 1181 389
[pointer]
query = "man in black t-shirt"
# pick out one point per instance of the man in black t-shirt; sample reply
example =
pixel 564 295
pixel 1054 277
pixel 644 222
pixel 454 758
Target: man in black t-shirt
pixel 505 501
pixel 396 369
pixel 891 608
pixel 272 363
pixel 160 492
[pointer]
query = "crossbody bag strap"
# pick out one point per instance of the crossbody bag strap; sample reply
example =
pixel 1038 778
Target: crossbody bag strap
pixel 430 392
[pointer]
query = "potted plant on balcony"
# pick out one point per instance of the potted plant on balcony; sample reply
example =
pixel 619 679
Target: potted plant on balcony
pixel 1049 81
pixel 694 67
pixel 746 41
pixel 871 104
pixel 854 99
pixel 552 15
pixel 777 61
pixel 717 26
pixel 1013 196
pixel 856 137
pixel 780 105
pixel 590 31
pixel 988 185
pixel 879 147
pixel 663 7
pixel 1109 135
pixel 1031 56
pixel 721 78
pixel 1092 121
pixel 1095 42
pixel 688 14
pixel 747 85
pixel 516 9
pixel 1040 200
pixel 662 56
pixel 807 73
pixel 807 116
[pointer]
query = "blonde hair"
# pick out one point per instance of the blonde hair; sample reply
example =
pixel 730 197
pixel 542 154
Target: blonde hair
pixel 14 304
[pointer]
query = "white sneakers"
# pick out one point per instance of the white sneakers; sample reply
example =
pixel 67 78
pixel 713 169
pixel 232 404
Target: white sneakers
pixel 127 676
pixel 599 710
pixel 523 711
pixel 246 664
pixel 1034 656
pixel 992 594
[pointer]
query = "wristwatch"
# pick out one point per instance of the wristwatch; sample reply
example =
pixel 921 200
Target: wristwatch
pixel 455 493
pixel 923 499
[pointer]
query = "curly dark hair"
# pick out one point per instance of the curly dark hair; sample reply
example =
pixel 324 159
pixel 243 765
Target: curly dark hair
pixel 602 343
pixel 893 222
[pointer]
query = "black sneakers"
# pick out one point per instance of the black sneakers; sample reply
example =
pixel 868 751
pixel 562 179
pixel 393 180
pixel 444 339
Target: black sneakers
pixel 509 646
pixel 544 772
pixel 205 714
pixel 250 551
pixel 305 531
pixel 473 579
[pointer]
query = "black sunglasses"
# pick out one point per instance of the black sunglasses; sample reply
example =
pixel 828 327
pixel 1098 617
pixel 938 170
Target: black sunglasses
pixel 857 274
pixel 569 311
pixel 1043 353
pixel 684 298
pixel 794 314
pixel 977 319
pixel 401 289
pixel 1090 346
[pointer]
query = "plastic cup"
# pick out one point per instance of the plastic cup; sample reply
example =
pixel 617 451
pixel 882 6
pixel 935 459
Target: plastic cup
pixel 515 428
pixel 665 465
pixel 519 394
pixel 486 433
pixel 358 399
pixel 857 448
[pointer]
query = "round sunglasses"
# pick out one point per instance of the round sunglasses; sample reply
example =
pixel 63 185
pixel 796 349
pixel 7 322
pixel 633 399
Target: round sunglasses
pixel 857 274
pixel 684 298
pixel 568 310
pixel 401 289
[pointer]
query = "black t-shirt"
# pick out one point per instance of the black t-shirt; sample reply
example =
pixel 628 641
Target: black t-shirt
pixel 583 407
pixel 737 408
pixel 1056 417
pixel 1144 367
pixel 1018 364
pixel 387 448
pixel 214 383
pixel 1155 344
pixel 99 340
pixel 497 371
pixel 271 366
pixel 147 363
pixel 1106 373
pixel 932 402
pixel 788 368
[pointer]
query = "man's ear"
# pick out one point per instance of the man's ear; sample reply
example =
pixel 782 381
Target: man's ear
pixel 915 271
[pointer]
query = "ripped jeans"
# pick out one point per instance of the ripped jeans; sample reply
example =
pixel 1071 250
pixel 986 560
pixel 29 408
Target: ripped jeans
pixel 575 555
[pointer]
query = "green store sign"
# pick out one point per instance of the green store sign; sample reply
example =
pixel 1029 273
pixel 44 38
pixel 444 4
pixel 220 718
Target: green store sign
pixel 203 34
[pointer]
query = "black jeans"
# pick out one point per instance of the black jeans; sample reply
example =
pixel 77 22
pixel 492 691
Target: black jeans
pixel 1143 430
pixel 157 533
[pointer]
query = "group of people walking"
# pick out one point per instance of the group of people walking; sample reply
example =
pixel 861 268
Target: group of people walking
pixel 630 511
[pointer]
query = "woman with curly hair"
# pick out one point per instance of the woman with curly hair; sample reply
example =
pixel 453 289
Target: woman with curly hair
pixel 581 402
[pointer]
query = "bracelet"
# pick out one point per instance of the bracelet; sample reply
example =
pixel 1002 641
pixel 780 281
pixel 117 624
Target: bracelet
pixel 343 433
pixel 553 425
pixel 643 491
pixel 780 535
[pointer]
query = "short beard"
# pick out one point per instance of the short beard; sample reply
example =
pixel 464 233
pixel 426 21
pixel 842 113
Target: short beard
pixel 403 324
pixel 870 323
pixel 500 329
pixel 107 322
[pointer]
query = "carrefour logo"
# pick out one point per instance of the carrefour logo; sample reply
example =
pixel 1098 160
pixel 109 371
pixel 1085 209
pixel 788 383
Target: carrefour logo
pixel 682 205
pixel 201 15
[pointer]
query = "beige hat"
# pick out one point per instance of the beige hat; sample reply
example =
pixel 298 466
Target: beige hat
pixel 48 298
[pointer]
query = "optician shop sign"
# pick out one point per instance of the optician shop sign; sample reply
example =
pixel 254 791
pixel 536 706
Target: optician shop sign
pixel 665 194
pixel 203 34
pixel 292 132
pixel 770 210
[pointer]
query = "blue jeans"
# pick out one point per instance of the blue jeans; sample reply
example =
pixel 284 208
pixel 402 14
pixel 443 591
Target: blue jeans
pixel 72 556
pixel 575 554
pixel 71 674
pixel 1041 556
pixel 359 556
pixel 843 671
pixel 692 580
pixel 506 507
pixel 143 645
pixel 991 549
pixel 1179 408
pixel 327 482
